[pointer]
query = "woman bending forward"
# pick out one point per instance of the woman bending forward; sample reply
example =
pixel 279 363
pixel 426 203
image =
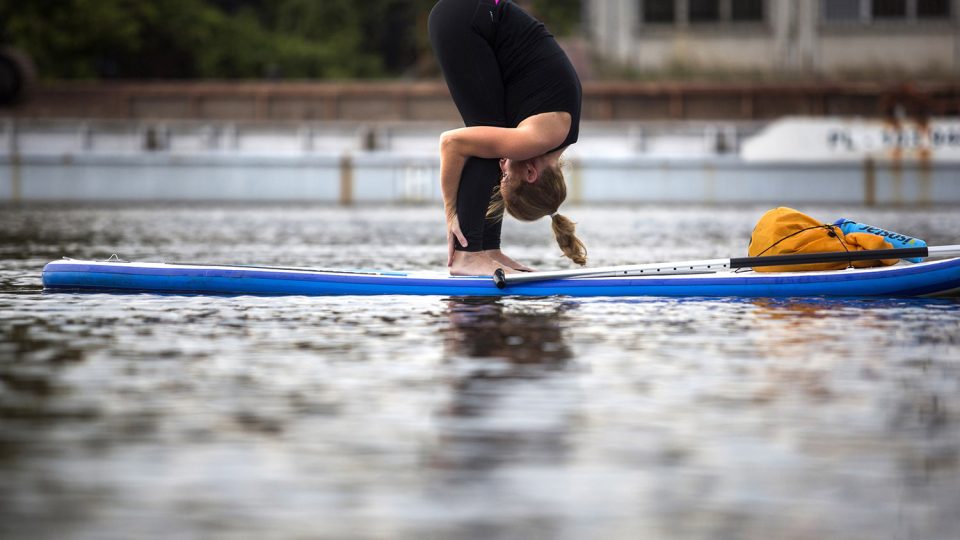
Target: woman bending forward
pixel 519 97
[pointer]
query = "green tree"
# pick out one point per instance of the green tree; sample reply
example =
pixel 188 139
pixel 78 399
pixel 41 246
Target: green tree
pixel 562 17
pixel 65 38
pixel 235 39
pixel 336 26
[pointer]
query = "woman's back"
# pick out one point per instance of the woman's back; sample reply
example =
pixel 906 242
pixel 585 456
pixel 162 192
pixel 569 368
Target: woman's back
pixel 537 75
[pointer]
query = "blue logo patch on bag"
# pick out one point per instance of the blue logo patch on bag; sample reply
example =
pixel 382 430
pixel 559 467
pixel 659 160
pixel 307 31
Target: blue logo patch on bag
pixel 897 240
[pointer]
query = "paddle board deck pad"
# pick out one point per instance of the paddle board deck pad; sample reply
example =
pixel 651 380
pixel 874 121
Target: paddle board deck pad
pixel 935 278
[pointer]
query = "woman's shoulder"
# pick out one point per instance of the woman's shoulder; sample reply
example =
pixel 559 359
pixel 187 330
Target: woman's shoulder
pixel 560 119
pixel 552 127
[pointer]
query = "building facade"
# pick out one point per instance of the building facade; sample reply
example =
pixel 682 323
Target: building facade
pixel 864 38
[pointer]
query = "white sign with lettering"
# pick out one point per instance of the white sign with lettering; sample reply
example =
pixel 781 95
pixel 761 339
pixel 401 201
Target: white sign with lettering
pixel 855 139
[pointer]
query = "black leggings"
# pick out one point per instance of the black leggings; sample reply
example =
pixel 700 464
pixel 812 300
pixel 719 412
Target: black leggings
pixel 461 32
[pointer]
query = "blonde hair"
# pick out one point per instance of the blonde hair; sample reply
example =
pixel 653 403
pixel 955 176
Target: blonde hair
pixel 532 201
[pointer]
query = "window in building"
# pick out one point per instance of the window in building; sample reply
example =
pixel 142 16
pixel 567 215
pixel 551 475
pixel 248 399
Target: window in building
pixel 746 10
pixel 927 9
pixel 704 10
pixel 841 10
pixel 889 9
pixel 659 11
pixel 867 11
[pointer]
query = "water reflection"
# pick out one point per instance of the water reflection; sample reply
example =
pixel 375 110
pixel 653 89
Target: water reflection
pixel 902 345
pixel 523 333
pixel 33 354
pixel 512 399
pixel 870 323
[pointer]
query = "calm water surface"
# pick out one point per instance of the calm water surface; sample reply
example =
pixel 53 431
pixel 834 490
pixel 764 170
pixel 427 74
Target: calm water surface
pixel 139 416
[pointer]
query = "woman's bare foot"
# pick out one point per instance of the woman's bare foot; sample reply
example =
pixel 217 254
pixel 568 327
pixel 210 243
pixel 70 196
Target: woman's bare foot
pixel 504 260
pixel 466 263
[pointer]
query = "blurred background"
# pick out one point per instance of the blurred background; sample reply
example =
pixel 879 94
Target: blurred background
pixel 305 133
pixel 705 101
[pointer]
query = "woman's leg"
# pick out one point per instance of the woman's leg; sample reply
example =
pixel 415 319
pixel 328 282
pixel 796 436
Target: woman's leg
pixel 460 33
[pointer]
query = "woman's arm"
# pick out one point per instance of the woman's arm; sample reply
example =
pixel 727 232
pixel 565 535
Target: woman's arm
pixel 451 167
pixel 533 137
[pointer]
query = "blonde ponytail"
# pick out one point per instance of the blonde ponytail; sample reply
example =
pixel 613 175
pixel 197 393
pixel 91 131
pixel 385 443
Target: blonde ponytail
pixel 564 229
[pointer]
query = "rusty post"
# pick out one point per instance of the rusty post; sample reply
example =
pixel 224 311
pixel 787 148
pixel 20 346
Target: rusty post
pixel 925 178
pixel 576 181
pixel 346 179
pixel 869 182
pixel 16 181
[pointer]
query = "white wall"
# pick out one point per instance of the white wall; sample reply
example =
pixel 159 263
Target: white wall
pixel 752 51
pixel 914 51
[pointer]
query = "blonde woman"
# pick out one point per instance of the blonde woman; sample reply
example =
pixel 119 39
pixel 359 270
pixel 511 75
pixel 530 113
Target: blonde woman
pixel 520 99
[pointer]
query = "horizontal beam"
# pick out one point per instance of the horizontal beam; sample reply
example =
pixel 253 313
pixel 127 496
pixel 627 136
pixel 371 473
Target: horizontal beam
pixel 429 100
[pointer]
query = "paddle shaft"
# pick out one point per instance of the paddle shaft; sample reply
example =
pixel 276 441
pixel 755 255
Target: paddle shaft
pixel 834 256
pixel 713 265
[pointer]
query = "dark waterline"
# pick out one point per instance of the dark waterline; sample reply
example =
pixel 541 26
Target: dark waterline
pixel 183 416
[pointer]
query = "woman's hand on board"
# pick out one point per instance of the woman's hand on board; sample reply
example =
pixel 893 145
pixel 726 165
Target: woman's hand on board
pixel 453 235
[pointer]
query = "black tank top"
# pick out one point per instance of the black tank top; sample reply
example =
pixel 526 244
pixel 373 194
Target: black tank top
pixel 537 75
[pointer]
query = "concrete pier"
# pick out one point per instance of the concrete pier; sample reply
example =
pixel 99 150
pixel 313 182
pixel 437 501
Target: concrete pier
pixel 348 163
pixel 380 177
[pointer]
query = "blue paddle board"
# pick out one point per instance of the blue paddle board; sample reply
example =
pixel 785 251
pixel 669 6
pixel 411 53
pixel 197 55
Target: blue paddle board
pixel 936 278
